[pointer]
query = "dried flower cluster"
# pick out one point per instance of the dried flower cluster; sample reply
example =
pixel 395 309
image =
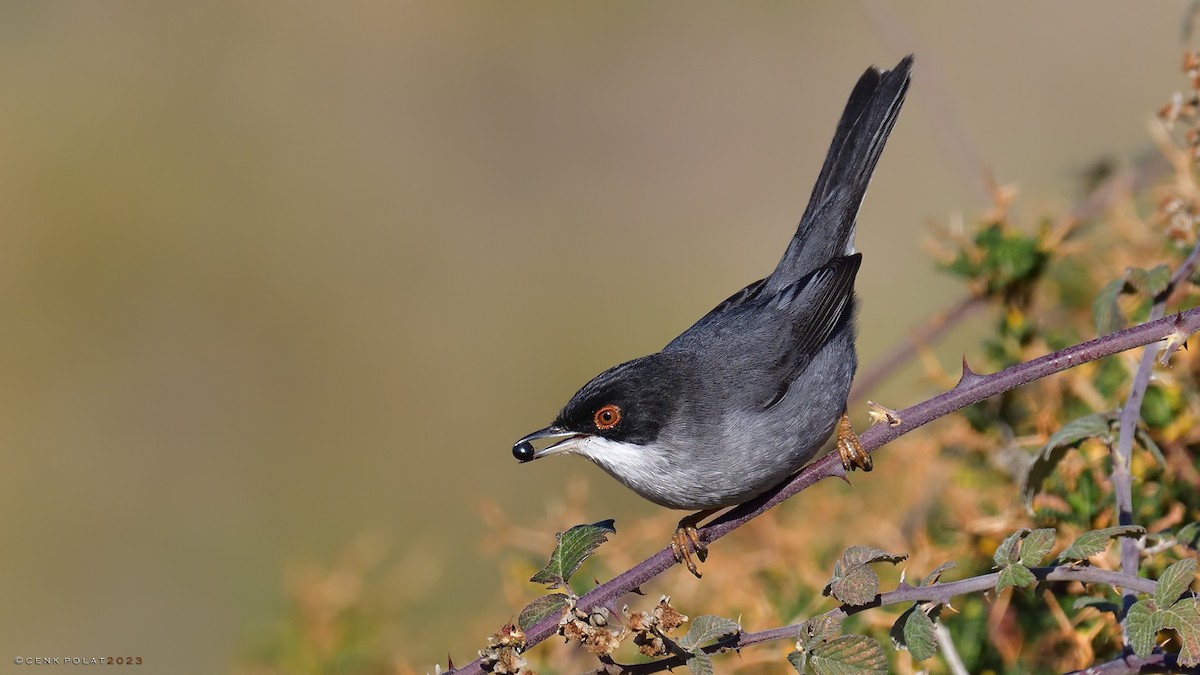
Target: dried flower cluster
pixel 649 628
pixel 600 631
pixel 1179 203
pixel 503 652
pixel 595 630
pixel 1186 107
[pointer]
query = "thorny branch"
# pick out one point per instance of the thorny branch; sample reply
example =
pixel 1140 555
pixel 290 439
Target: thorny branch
pixel 1129 664
pixel 940 593
pixel 972 388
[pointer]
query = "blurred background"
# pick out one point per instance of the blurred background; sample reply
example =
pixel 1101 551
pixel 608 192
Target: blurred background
pixel 281 279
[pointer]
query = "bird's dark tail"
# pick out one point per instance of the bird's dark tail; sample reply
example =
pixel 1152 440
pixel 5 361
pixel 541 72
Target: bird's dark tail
pixel 827 228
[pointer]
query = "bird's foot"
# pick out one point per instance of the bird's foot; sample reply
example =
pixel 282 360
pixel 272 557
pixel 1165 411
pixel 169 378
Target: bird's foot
pixel 850 448
pixel 686 544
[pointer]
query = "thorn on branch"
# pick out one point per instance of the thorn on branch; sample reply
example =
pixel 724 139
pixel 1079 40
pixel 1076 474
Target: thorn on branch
pixel 969 377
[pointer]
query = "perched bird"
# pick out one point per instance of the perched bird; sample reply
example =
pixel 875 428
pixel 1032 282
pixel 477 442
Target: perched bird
pixel 748 395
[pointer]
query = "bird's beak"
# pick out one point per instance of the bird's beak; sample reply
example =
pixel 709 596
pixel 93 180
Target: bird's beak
pixel 524 451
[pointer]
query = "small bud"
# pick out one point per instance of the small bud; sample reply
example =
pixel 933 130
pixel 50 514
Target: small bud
pixel 1176 340
pixel 882 415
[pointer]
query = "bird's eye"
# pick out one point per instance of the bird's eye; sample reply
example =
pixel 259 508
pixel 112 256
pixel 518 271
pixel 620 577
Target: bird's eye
pixel 607 417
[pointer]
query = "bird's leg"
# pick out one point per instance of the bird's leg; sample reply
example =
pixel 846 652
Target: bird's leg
pixel 850 448
pixel 686 540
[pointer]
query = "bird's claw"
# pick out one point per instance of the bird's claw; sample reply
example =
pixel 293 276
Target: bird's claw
pixel 685 543
pixel 850 448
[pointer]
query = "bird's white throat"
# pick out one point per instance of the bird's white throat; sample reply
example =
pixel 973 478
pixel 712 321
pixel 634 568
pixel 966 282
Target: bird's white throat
pixel 640 467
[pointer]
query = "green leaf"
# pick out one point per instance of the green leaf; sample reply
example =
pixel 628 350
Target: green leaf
pixel 1106 313
pixel 1036 545
pixel 1144 440
pixel 1151 282
pixel 799 661
pixel 700 664
pixel 705 629
pixel 1100 604
pixel 919 635
pixel 1014 575
pixel 1010 259
pixel 545 606
pixel 1141 626
pixel 1089 426
pixel 1184 618
pixel 849 655
pixel 1189 535
pixel 1174 581
pixel 574 546
pixel 856 585
pixel 861 555
pixel 1096 425
pixel 853 582
pixel 818 629
pixel 1146 617
pixel 896 632
pixel 1159 408
pixel 1009 550
pixel 1094 542
pixel 936 574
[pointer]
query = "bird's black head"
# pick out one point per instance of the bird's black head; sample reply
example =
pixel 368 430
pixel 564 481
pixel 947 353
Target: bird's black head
pixel 628 403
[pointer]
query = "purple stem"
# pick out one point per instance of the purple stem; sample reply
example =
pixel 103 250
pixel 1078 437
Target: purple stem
pixel 1130 415
pixel 1130 664
pixel 940 594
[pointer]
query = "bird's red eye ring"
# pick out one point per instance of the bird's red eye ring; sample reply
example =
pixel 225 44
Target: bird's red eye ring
pixel 607 417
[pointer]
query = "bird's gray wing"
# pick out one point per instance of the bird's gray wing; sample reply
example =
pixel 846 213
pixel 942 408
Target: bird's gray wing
pixel 738 299
pixel 774 337
pixel 814 307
